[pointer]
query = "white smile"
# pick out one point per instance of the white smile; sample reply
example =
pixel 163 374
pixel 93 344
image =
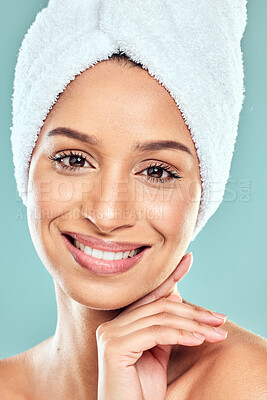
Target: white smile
pixel 106 255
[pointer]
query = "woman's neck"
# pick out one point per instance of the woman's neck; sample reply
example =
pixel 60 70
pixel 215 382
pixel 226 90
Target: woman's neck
pixel 65 366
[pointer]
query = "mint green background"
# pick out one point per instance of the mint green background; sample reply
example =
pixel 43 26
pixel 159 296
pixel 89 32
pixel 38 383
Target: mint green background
pixel 229 272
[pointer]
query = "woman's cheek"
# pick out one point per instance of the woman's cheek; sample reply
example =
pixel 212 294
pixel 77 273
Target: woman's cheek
pixel 179 211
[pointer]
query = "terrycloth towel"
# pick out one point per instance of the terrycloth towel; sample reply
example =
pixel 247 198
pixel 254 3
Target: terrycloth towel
pixel 192 47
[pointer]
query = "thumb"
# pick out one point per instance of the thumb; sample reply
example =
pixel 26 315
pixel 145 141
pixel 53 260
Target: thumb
pixel 168 287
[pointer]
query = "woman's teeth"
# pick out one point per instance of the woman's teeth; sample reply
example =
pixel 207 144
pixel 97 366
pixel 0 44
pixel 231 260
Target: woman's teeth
pixel 105 255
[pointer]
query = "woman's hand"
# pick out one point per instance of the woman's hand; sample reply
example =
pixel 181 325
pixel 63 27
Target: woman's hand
pixel 134 348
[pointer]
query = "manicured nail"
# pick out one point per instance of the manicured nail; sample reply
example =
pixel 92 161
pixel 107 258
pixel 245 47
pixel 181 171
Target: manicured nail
pixel 218 315
pixel 221 332
pixel 176 275
pixel 188 254
pixel 175 297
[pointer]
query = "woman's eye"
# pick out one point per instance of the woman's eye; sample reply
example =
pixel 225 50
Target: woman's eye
pixel 155 172
pixel 158 171
pixel 71 161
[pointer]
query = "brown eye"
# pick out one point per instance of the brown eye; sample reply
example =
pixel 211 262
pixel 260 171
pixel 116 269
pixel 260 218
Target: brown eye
pixel 155 171
pixel 76 161
pixel 71 161
pixel 158 171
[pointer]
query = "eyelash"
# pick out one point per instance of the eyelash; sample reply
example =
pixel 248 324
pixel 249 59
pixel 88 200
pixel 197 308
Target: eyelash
pixel 57 159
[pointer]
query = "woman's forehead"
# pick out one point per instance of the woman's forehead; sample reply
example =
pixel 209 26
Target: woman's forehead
pixel 108 83
pixel 114 98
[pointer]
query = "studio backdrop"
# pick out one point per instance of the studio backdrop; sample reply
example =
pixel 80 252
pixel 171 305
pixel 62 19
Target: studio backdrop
pixel 229 272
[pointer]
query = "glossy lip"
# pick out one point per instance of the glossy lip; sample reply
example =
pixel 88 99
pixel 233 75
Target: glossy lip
pixel 104 245
pixel 99 266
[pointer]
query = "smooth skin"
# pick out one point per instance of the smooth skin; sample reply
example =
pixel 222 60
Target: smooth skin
pixel 121 336
pixel 134 348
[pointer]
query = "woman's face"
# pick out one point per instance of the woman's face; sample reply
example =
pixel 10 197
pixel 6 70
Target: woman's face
pixel 115 194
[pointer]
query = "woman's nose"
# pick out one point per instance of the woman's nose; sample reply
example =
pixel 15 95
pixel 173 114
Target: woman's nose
pixel 110 204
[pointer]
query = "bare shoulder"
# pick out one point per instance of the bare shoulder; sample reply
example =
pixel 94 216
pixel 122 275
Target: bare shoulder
pixel 12 379
pixel 239 367
pixel 18 378
pixel 235 368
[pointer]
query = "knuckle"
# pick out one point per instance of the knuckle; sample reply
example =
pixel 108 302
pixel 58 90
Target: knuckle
pixel 104 337
pixel 161 316
pixel 197 312
pixel 101 329
pixel 163 305
pixel 181 332
pixel 199 325
pixel 161 302
pixel 155 330
pixel 109 348
pixel 202 328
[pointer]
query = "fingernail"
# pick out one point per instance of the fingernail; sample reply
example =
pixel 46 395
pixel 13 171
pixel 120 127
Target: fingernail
pixel 221 332
pixel 188 254
pixel 176 275
pixel 218 315
pixel 191 258
pixel 175 297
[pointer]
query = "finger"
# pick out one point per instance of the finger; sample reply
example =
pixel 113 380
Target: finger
pixel 166 287
pixel 169 286
pixel 170 306
pixel 211 334
pixel 219 315
pixel 175 295
pixel 135 343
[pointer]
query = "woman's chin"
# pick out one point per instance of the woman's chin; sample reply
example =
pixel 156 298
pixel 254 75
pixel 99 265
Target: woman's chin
pixel 99 300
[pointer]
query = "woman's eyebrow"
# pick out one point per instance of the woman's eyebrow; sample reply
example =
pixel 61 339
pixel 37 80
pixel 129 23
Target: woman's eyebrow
pixel 161 145
pixel 74 134
pixel 138 147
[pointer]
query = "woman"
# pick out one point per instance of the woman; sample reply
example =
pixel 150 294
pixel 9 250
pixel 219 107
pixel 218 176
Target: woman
pixel 123 331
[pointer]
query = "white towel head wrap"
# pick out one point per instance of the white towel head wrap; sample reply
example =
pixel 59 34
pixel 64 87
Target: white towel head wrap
pixel 192 47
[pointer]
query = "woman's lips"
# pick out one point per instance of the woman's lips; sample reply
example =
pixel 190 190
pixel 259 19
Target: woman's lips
pixel 104 245
pixel 99 266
